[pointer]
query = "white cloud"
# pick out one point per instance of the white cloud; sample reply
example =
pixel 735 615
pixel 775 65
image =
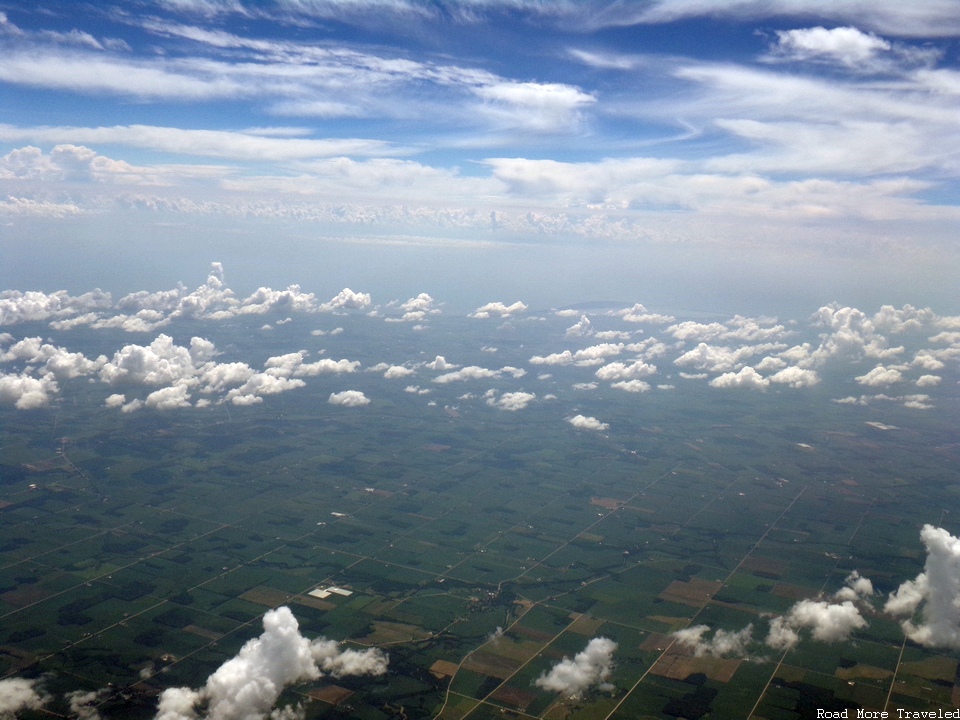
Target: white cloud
pixel 534 107
pixel 796 377
pixel 579 329
pixel 714 358
pixel 17 307
pixel 349 398
pixel 56 360
pixel 606 335
pixel 499 308
pixel 169 398
pixel 160 363
pixel 634 386
pixel 561 358
pixel 723 642
pixel 616 371
pixel 18 694
pixel 928 380
pixel 845 45
pixel 471 372
pixel 936 18
pixel 880 376
pixel 326 365
pixel 572 677
pixel 592 355
pixel 827 621
pixel 934 592
pixel 26 392
pixel 512 401
pixel 514 372
pixel 83 704
pixel 260 384
pixel 247 686
pixel 856 587
pixel 639 314
pixel 440 363
pixel 584 422
pixel 418 308
pixel 747 377
pixel 347 299
pixel 738 328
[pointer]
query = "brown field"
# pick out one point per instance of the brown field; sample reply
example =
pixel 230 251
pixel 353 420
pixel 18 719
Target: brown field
pixel 332 694
pixel 656 642
pixel 490 664
pixel 444 668
pixel 695 593
pixel 608 503
pixel 680 664
pixel 513 697
pixel 313 602
pixel 392 632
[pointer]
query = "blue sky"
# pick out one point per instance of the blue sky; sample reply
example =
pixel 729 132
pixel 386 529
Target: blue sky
pixel 696 153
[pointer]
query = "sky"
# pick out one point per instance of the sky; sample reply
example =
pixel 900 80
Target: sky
pixel 735 156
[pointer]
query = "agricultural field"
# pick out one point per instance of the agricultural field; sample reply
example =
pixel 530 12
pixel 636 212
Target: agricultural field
pixel 478 548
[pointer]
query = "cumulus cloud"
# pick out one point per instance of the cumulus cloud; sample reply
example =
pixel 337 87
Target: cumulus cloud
pixel 247 686
pixel 796 377
pixel 18 694
pixel 169 398
pixel 498 308
pixel 579 329
pixel 440 364
pixel 349 398
pixel 416 309
pixel 880 376
pixel 52 359
pixel 347 299
pixel 160 363
pixel 856 587
pixel 17 307
pixel 639 314
pixel 179 369
pixel 934 592
pixel 471 372
pixel 82 704
pixel 723 642
pixel 26 392
pixel 512 401
pixel 827 621
pixel 592 355
pixel 850 333
pixel 747 377
pixel 585 422
pixel 572 677
pixel 744 329
pixel 622 371
pixel 634 386
pixel 712 358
